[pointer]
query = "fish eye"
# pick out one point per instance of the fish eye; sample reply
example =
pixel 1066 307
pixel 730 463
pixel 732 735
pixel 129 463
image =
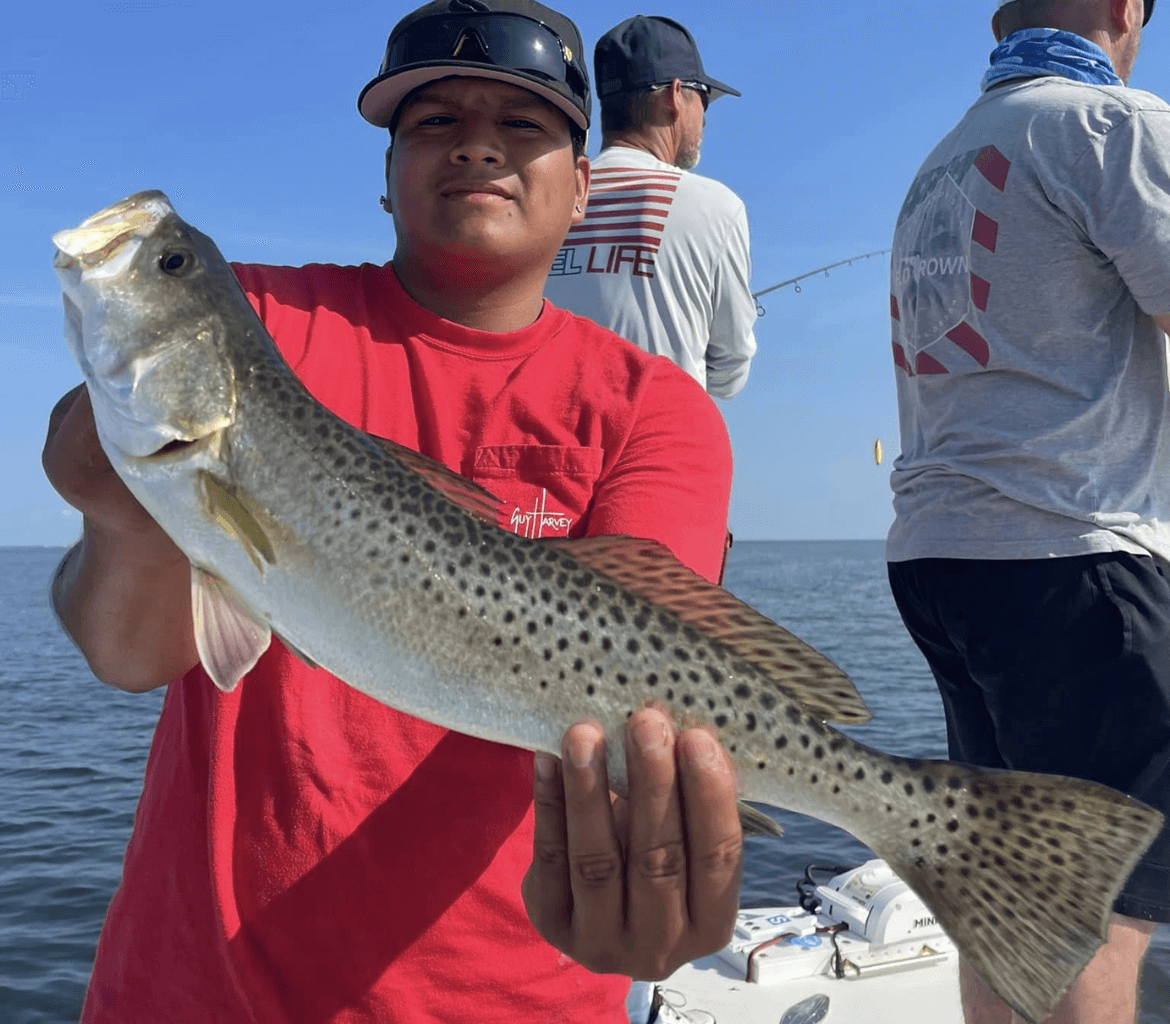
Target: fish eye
pixel 176 262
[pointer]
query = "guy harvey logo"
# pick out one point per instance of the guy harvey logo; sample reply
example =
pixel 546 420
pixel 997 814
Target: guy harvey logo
pixel 540 521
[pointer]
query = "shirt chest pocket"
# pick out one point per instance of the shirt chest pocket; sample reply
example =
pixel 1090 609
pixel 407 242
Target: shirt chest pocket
pixel 545 490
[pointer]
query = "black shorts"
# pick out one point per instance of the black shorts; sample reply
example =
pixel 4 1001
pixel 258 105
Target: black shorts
pixel 1055 665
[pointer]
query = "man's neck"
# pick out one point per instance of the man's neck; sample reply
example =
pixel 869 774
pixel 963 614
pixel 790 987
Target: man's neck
pixel 490 302
pixel 655 143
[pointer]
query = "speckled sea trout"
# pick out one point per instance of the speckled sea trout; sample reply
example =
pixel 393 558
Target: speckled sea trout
pixel 389 570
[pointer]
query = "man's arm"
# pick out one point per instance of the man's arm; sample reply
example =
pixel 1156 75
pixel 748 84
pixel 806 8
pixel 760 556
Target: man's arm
pixel 123 592
pixel 1163 321
pixel 643 885
pixel 733 313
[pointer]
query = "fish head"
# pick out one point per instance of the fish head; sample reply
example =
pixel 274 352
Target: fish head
pixel 144 317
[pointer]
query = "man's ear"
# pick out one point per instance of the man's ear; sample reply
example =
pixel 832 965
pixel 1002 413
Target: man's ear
pixel 1121 16
pixel 386 198
pixel 581 197
pixel 674 99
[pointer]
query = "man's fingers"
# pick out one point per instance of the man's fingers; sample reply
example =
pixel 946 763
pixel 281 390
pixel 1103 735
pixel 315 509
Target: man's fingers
pixel 656 871
pixel 714 838
pixel 547 892
pixel 595 858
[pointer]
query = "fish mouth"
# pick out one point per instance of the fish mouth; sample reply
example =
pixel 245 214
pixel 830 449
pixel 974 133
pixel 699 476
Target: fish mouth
pixel 180 448
pixel 103 235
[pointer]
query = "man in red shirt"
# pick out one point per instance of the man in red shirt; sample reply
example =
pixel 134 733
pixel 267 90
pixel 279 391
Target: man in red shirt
pixel 303 853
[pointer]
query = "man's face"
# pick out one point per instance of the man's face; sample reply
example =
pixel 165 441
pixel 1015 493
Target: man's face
pixel 694 120
pixel 482 170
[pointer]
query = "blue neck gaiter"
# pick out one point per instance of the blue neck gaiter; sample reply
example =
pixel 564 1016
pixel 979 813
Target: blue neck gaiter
pixel 1033 52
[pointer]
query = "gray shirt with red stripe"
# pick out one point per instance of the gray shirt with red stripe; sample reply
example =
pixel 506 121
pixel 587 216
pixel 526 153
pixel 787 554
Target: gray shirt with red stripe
pixel 1030 256
pixel 662 260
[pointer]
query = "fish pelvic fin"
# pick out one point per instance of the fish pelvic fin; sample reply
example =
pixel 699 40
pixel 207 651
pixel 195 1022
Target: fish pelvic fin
pixel 647 569
pixel 1041 856
pixel 237 515
pixel 468 495
pixel 228 637
pixel 756 823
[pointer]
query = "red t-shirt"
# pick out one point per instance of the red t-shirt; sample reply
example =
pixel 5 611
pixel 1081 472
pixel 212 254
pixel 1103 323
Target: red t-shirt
pixel 302 853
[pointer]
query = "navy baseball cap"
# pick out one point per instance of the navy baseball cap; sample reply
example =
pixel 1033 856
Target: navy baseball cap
pixel 517 41
pixel 645 51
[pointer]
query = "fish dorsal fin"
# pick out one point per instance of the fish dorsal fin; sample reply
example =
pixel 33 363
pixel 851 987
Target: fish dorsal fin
pixel 228 636
pixel 648 570
pixel 235 513
pixel 468 495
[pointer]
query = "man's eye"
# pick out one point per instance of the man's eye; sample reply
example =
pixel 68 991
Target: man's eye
pixel 521 122
pixel 436 120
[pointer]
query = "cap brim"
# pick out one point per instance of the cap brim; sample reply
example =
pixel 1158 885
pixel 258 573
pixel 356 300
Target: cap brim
pixel 379 100
pixel 718 88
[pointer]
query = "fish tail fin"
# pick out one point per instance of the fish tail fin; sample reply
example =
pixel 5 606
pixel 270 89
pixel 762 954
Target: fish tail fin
pixel 1041 856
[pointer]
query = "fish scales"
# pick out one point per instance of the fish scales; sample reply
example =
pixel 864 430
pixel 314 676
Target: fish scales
pixel 387 570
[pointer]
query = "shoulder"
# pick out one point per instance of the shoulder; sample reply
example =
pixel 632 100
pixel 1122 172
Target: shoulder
pixel 293 285
pixel 713 193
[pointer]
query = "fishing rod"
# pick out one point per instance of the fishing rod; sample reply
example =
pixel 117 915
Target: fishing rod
pixel 760 311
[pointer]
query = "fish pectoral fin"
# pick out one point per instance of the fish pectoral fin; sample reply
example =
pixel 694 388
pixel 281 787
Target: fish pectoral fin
pixel 467 494
pixel 228 637
pixel 238 516
pixel 648 570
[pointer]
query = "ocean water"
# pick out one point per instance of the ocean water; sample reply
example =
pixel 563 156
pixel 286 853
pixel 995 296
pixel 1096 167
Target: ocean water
pixel 72 753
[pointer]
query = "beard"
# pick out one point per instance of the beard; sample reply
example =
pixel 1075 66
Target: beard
pixel 688 157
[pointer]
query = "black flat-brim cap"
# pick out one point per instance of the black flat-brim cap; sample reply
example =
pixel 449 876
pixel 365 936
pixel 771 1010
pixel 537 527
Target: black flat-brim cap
pixel 645 51
pixel 379 100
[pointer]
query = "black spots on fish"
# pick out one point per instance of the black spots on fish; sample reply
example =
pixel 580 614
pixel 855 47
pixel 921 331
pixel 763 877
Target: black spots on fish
pixel 859 775
pixel 656 642
pixel 805 741
pixel 373 553
pixel 682 654
pixel 674 676
pixel 497 596
pixel 688 700
pixel 509 616
pixel 545 573
pixel 953 825
pixel 618 616
pixel 544 684
pixel 670 694
pixel 950 801
pixel 516 670
pixel 972 811
pixel 930 819
pixel 841 767
pixel 590 690
pixel 606 644
pixel 793 714
pixel 583 636
pixel 836 743
pixel 914 823
pixel 531 628
pixel 427 583
pixel 498 641
pixel 927 784
pixel 562 644
pixel 716 675
pixel 915 842
pixel 562 580
pixel 791 770
pixel 733 748
pixel 818 751
pixel 562 608
pixel 749 721
pixel 652 679
pixel 762 765
pixel 622 679
pixel 465 560
pixel 583 580
pixel 887 777
pixel 578 664
pixel 404 558
pixel 633 646
pixel 410 529
pixel 781 742
pixel 909 788
pixel 954 782
pixel 743 691
pixel 322 430
pixel 942 849
pixel 480 591
pixel 720 721
pixel 547 654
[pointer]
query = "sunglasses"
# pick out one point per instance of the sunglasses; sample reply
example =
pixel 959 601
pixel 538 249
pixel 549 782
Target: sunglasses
pixel 509 41
pixel 701 88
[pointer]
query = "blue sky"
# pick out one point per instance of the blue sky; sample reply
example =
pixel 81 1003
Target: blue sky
pixel 246 115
